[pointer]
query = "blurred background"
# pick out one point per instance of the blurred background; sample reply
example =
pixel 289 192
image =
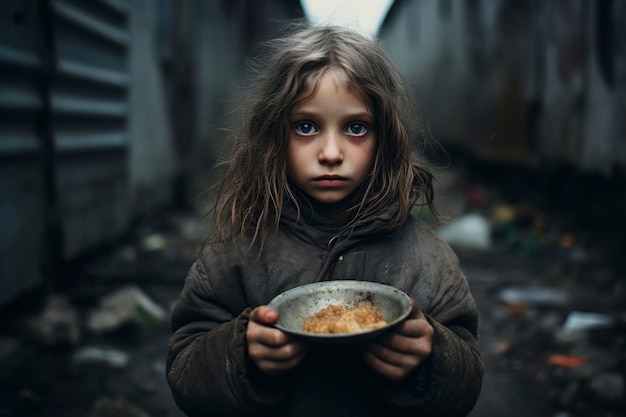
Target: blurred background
pixel 112 114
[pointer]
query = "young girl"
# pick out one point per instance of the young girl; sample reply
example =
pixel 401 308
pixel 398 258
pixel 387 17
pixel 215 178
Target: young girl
pixel 319 187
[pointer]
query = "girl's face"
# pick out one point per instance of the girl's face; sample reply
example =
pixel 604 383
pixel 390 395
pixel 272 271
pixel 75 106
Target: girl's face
pixel 332 140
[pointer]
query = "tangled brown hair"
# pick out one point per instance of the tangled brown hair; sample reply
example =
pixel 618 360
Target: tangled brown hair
pixel 255 185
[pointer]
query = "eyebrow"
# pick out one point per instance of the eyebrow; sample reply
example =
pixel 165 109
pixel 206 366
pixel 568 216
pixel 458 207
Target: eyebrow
pixel 312 114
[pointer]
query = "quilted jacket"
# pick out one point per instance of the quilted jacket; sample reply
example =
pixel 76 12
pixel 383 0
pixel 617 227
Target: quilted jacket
pixel 207 365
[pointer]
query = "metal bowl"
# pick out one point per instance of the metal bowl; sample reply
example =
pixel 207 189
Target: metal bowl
pixel 298 304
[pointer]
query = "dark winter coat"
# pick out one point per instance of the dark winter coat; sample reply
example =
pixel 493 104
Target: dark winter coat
pixel 210 374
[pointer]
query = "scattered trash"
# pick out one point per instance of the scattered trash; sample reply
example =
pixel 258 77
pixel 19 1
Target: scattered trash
pixel 567 361
pixel 500 347
pixel 92 354
pixel 517 310
pixel 567 240
pixel 534 295
pixel 609 387
pixel 153 242
pixel 470 231
pixel 578 322
pixel 8 347
pixel 29 401
pixel 126 305
pixel 503 214
pixel 120 407
pixel 521 227
pixel 127 253
pixel 56 325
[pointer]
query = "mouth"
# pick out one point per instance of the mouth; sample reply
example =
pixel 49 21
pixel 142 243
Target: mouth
pixel 330 180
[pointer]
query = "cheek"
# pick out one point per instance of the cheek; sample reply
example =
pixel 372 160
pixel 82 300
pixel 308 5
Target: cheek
pixel 293 162
pixel 366 159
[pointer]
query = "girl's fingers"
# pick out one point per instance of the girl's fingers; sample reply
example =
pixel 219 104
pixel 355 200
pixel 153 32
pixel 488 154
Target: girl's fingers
pixel 270 349
pixel 275 360
pixel 273 367
pixel 283 353
pixel 264 315
pixel 394 357
pixel 412 336
pixel 414 327
pixel 389 370
pixel 400 351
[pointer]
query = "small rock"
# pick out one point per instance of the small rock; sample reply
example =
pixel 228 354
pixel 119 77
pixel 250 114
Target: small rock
pixel 534 295
pixel 126 305
pixel 92 354
pixel 9 346
pixel 28 402
pixel 120 407
pixel 609 387
pixel 56 325
pixel 154 242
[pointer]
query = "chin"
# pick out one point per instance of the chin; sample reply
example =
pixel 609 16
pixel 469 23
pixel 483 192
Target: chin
pixel 329 199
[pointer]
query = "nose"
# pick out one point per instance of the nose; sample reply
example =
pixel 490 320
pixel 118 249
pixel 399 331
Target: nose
pixel 331 152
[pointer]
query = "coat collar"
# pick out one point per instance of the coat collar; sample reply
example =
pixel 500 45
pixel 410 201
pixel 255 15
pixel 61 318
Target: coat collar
pixel 318 223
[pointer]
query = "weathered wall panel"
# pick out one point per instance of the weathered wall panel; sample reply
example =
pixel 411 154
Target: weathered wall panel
pixel 22 182
pixel 604 146
pixel 526 82
pixel 152 156
pixel 104 104
pixel 89 104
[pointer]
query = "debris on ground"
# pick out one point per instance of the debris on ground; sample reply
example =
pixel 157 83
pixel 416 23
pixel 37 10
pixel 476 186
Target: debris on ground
pixel 56 325
pixel 470 231
pixel 118 407
pixel 533 295
pixel 552 319
pixel 127 305
pixel 95 354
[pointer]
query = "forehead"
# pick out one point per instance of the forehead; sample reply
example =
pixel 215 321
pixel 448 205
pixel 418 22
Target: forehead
pixel 334 76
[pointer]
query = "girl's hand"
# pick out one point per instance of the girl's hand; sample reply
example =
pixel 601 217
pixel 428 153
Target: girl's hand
pixel 400 351
pixel 270 349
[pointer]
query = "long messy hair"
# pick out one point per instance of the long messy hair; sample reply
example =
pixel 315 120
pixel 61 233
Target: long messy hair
pixel 255 188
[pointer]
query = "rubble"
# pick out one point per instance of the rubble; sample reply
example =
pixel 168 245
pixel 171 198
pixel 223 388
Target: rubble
pixel 608 386
pixel 95 354
pixel 119 407
pixel 581 353
pixel 56 325
pixel 127 305
pixel 579 323
pixel 552 320
pixel 9 348
pixel 533 295
pixel 470 231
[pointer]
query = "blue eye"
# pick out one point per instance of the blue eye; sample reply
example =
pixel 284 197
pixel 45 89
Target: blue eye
pixel 305 129
pixel 356 129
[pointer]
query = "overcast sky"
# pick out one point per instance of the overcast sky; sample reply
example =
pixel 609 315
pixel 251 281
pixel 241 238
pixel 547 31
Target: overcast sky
pixel 365 15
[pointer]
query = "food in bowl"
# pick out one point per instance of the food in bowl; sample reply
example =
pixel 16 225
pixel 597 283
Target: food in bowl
pixel 301 303
pixel 339 319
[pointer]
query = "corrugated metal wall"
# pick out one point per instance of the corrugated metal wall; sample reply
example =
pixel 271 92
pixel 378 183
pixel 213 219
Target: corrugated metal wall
pixel 89 110
pixel 104 104
pixel 64 80
pixel 23 167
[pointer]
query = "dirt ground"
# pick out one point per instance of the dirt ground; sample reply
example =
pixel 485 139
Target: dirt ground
pixel 529 371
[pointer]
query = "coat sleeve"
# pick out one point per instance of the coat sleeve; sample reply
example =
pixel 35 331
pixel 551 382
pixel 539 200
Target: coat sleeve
pixel 208 369
pixel 449 382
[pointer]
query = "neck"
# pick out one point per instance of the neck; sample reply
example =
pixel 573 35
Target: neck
pixel 327 215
